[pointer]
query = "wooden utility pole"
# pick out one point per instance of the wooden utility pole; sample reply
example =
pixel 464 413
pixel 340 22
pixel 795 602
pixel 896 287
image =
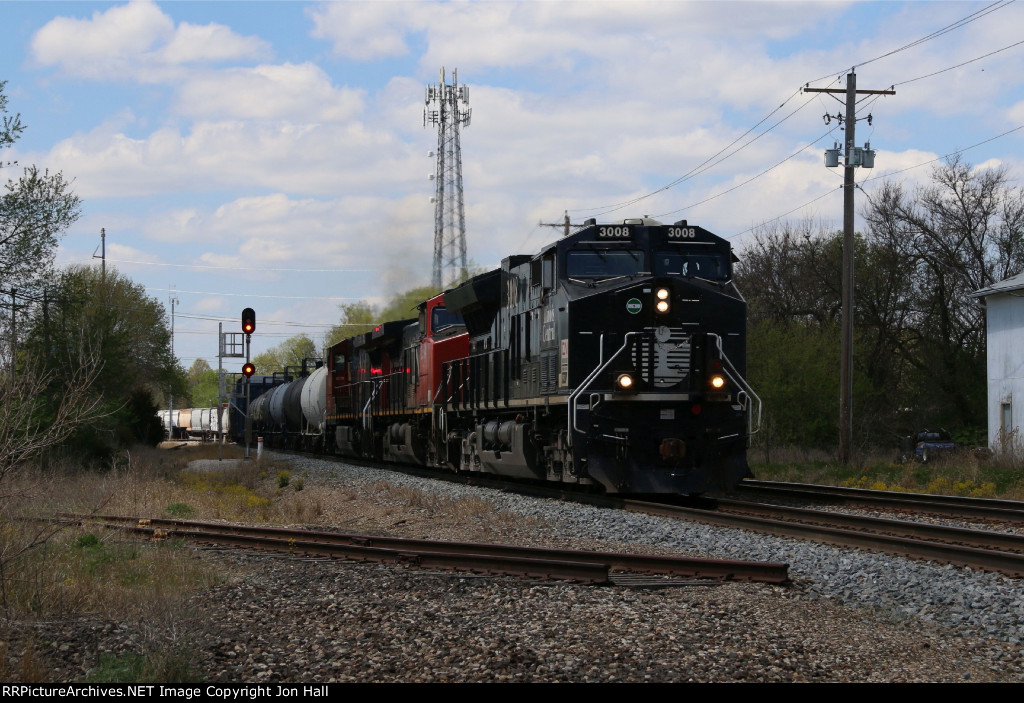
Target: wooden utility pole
pixel 564 224
pixel 853 159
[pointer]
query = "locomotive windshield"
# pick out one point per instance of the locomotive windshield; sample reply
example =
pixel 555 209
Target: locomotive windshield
pixel 689 264
pixel 597 263
pixel 442 319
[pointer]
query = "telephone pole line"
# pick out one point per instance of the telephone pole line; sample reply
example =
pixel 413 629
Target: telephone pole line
pixel 854 156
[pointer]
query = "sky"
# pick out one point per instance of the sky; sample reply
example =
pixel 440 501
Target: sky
pixel 273 154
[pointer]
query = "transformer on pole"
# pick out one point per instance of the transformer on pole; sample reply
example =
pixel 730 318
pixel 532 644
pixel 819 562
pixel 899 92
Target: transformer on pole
pixel 447 109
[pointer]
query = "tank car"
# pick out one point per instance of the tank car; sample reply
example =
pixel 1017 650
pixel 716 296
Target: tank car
pixel 291 414
pixel 614 358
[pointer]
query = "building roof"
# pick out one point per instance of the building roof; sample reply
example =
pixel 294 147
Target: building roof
pixel 1005 286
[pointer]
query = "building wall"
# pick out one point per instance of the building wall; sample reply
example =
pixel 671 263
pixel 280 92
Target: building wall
pixel 1005 320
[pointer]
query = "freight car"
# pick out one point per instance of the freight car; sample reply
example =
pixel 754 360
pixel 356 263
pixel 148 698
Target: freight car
pixel 614 358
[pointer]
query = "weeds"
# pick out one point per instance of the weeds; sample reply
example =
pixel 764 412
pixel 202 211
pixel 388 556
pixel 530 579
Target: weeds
pixel 963 473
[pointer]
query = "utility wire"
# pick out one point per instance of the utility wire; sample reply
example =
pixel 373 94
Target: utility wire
pixel 701 167
pixel 754 177
pixel 979 58
pixel 247 295
pixel 875 178
pixel 928 37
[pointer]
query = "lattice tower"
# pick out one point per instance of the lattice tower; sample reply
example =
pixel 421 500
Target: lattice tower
pixel 447 108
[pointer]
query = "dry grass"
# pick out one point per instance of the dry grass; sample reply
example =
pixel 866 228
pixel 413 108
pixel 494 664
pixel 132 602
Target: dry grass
pixel 467 509
pixel 964 473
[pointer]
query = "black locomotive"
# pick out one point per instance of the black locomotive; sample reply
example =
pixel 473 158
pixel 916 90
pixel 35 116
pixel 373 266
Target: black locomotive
pixel 614 358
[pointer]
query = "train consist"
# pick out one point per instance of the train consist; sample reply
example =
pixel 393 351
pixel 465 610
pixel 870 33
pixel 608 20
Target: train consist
pixel 613 358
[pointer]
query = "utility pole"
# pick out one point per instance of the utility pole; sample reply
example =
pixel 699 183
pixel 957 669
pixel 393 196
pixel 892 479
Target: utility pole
pixel 103 253
pixel 564 224
pixel 170 390
pixel 854 156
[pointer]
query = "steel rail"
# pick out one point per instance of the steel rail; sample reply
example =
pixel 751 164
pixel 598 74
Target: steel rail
pixel 1008 563
pixel 551 561
pixel 959 506
pixel 904 528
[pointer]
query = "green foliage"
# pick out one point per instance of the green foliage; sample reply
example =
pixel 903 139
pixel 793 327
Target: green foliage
pixel 165 664
pixel 111 322
pixel 919 338
pixel 795 368
pixel 203 385
pixel 180 510
pixel 87 540
pixel 283 478
pixel 289 353
pixel 361 316
pixel 35 210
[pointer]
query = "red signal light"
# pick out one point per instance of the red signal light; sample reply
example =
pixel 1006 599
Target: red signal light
pixel 248 321
pixel 248 369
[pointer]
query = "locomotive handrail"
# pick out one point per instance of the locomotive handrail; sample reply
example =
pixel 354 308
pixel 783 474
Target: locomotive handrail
pixel 736 378
pixel 368 424
pixel 593 375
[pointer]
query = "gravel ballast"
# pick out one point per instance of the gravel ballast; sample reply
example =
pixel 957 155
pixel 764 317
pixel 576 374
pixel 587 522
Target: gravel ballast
pixel 849 616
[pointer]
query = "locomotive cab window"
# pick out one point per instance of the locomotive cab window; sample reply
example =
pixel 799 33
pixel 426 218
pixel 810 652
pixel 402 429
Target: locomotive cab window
pixel 441 319
pixel 689 264
pixel 597 263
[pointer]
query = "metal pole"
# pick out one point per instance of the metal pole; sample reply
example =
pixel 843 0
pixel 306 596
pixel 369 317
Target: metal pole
pixel 248 414
pixel 846 363
pixel 220 398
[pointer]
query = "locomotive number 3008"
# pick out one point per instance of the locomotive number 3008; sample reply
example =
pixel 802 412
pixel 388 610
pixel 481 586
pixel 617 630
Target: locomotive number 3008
pixel 620 231
pixel 682 232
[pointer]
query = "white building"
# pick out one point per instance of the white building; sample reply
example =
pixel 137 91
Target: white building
pixel 1004 304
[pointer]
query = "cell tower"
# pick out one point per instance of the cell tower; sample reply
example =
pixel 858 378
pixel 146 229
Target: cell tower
pixel 447 108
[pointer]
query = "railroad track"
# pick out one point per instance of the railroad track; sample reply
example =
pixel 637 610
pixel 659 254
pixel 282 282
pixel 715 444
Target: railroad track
pixel 985 550
pixel 979 549
pixel 956 506
pixel 609 568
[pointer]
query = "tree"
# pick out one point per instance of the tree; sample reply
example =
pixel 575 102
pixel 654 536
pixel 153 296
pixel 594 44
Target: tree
pixel 962 233
pixel 919 353
pixel 203 385
pixel 291 352
pixel 361 316
pixel 128 332
pixel 35 210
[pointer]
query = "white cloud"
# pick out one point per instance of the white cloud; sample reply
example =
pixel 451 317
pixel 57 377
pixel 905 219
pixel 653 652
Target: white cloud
pixel 300 92
pixel 136 41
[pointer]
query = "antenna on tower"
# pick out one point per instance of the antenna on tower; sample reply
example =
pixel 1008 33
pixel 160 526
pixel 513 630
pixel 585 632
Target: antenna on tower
pixel 447 108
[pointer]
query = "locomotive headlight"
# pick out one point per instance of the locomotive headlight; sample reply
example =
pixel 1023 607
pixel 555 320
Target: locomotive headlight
pixel 625 381
pixel 661 306
pixel 662 294
pixel 717 382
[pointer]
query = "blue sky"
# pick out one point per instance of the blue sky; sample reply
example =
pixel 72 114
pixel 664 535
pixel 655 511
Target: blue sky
pixel 272 154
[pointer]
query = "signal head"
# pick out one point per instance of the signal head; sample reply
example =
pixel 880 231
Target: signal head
pixel 248 369
pixel 248 320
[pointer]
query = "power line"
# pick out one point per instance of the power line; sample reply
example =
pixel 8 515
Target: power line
pixel 752 178
pixel 248 295
pixel 928 37
pixel 700 168
pixel 243 268
pixel 875 178
pixel 979 58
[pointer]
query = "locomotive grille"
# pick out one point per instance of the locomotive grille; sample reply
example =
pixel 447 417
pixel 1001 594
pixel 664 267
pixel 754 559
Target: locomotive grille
pixel 663 359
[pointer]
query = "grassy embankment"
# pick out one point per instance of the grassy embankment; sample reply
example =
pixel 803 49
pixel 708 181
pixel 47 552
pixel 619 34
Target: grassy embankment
pixel 960 473
pixel 50 573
